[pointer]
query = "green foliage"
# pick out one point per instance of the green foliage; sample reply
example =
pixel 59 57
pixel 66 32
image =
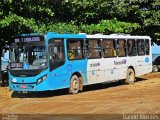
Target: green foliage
pixel 59 28
pixel 13 19
pixel 22 16
pixel 140 17
pixel 144 12
pixel 110 26
pixel 104 26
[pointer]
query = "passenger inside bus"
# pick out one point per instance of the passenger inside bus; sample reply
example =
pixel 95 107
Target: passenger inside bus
pixel 71 54
pixel 121 48
pixel 108 48
pixel 32 58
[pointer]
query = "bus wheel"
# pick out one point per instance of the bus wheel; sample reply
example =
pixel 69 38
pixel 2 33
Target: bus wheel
pixel 130 77
pixel 155 68
pixel 74 85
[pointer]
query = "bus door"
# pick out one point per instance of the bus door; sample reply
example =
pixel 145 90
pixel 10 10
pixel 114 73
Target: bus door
pixel 56 60
pixel 143 55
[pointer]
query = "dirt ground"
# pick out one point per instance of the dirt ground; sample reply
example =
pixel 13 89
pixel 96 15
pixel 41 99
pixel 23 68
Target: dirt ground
pixel 112 99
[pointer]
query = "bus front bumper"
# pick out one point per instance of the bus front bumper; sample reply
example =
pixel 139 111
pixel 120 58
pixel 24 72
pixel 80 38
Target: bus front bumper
pixel 28 87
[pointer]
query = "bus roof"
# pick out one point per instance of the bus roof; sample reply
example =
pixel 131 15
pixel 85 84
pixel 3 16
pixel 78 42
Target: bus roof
pixel 115 36
pixel 50 35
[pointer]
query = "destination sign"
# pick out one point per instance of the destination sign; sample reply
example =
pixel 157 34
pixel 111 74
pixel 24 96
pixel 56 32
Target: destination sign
pixel 56 41
pixel 29 39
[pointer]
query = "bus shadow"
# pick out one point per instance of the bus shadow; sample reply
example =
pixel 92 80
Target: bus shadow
pixel 55 93
pixel 101 86
pixel 43 94
pixel 62 92
pixel 140 79
pixel 108 85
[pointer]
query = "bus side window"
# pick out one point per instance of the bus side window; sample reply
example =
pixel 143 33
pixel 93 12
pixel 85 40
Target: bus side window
pixel 121 48
pixel 109 48
pixel 75 49
pixel 132 50
pixel 141 47
pixel 51 57
pixel 147 47
pixel 93 48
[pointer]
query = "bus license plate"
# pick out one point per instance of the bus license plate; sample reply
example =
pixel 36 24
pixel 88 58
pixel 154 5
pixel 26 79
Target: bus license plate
pixel 23 86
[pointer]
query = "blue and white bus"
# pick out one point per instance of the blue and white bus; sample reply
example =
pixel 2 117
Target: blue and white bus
pixel 55 61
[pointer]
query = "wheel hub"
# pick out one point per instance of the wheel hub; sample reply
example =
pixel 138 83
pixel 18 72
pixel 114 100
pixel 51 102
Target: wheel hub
pixel 131 76
pixel 75 85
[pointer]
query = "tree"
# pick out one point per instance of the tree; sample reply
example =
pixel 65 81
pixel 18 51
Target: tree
pixel 140 17
pixel 21 16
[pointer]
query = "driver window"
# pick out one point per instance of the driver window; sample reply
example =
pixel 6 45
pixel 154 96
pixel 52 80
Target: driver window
pixel 56 55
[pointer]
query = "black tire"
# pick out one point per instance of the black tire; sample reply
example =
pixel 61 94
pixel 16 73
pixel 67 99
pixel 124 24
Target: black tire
pixel 130 76
pixel 155 68
pixel 74 84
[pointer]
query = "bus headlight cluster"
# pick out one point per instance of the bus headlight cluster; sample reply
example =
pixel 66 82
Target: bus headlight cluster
pixel 41 79
pixel 14 80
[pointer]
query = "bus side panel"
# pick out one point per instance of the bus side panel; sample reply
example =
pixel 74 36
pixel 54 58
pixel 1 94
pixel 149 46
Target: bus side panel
pixel 80 67
pixel 111 69
pixel 95 72
pixel 60 77
pixel 101 70
pixel 143 65
pixel 108 69
pixel 124 64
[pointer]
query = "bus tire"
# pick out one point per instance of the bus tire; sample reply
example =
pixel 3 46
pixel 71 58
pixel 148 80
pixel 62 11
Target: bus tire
pixel 155 68
pixel 74 84
pixel 80 83
pixel 130 76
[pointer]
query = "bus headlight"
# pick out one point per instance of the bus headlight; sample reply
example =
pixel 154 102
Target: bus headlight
pixel 41 79
pixel 14 80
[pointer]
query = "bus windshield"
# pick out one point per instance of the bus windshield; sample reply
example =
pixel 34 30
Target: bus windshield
pixel 28 57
